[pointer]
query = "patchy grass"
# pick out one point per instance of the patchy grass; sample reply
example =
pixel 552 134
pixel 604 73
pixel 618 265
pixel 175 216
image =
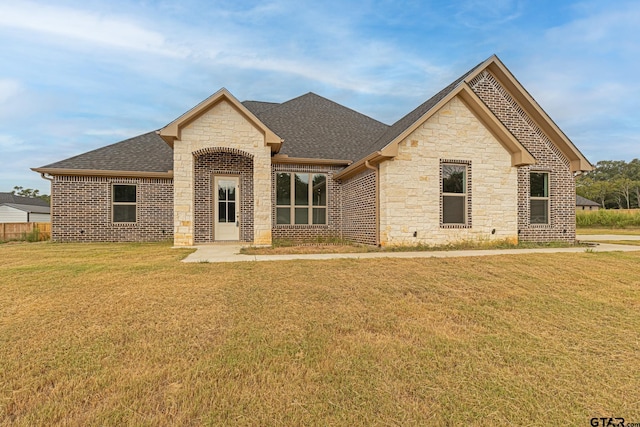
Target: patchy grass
pixel 344 247
pixel 125 334
pixel 616 231
pixel 608 218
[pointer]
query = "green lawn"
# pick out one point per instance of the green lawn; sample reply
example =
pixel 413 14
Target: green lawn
pixel 125 334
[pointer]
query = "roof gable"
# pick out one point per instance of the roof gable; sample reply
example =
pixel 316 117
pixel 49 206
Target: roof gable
pixel 171 132
pixel 577 160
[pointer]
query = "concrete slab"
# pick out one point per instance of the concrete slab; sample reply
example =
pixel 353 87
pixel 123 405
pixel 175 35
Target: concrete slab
pixel 600 237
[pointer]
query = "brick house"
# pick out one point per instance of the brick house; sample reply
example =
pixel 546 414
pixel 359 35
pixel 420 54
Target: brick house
pixel 479 160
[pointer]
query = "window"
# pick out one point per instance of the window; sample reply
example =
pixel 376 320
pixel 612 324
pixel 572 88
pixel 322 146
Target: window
pixel 539 197
pixel 301 198
pixel 124 203
pixel 454 194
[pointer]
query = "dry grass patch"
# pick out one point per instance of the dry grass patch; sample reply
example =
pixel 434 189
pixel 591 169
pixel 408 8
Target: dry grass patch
pixel 125 334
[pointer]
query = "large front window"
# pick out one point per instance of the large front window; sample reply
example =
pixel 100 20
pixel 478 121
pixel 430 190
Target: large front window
pixel 454 194
pixel 301 198
pixel 539 197
pixel 124 203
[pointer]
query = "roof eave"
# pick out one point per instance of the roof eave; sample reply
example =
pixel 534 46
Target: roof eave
pixel 285 159
pixel 101 172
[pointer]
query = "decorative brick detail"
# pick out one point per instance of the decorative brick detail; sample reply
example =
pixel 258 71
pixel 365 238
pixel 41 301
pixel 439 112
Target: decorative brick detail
pixel 359 195
pixel 81 210
pixel 548 157
pixel 332 229
pixel 212 161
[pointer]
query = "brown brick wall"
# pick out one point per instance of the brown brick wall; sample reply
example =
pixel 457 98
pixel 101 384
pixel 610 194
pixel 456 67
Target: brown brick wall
pixel 221 161
pixel 81 210
pixel 303 233
pixel 359 208
pixel 548 157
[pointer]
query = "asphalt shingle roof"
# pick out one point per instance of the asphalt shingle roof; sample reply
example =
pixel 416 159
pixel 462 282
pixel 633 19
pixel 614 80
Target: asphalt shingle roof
pixel 310 125
pixel 29 208
pixel 315 127
pixel 143 153
pixel 8 198
pixel 583 201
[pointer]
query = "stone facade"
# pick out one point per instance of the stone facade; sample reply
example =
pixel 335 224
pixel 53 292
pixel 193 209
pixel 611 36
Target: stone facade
pixel 562 192
pixel 410 184
pixel 215 161
pixel 222 126
pixel 359 210
pixel 301 233
pixel 82 206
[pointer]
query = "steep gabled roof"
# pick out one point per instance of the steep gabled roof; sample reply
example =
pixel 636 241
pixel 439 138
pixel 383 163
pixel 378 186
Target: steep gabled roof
pixel 172 131
pixel 144 155
pixel 315 127
pixel 405 122
pixel 257 107
pixel 9 198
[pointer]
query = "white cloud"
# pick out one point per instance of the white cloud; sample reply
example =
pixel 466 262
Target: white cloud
pixel 9 89
pixel 83 26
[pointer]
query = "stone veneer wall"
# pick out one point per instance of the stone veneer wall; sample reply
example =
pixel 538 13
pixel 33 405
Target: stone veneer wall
pixel 81 210
pixel 221 126
pixel 305 232
pixel 548 157
pixel 410 183
pixel 359 195
pixel 221 161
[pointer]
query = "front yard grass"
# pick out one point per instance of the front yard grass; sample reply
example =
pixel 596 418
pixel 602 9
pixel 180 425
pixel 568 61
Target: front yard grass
pixel 125 334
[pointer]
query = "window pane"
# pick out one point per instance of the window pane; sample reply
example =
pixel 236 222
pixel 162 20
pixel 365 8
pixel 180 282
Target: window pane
pixel 302 190
pixel 283 216
pixel 539 182
pixel 283 189
pixel 539 212
pixel 319 190
pixel 231 191
pixel 302 216
pixel 222 191
pixel 231 217
pixel 453 210
pixel 454 178
pixel 222 212
pixel 319 216
pixel 124 213
pixel 124 193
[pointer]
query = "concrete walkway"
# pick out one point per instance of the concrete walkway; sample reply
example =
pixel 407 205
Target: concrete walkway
pixel 231 253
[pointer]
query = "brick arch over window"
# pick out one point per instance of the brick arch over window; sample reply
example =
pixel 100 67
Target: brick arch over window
pixel 212 161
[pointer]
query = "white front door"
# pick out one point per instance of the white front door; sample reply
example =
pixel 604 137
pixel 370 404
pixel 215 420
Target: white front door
pixel 225 206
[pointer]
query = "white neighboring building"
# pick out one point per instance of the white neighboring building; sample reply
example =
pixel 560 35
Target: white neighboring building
pixel 23 209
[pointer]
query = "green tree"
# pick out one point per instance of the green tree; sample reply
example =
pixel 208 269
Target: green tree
pixel 28 192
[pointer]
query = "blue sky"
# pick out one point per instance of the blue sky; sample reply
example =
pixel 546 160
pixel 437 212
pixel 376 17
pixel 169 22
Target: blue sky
pixel 77 75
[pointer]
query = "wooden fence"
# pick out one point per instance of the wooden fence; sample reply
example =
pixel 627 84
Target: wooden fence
pixel 31 231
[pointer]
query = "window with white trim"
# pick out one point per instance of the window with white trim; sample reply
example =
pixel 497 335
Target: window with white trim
pixel 301 198
pixel 539 197
pixel 454 193
pixel 124 203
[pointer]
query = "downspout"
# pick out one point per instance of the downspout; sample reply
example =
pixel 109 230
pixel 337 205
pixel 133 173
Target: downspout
pixel 376 170
pixel 50 179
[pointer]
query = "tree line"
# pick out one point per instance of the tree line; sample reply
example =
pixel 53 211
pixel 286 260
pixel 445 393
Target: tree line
pixel 614 184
